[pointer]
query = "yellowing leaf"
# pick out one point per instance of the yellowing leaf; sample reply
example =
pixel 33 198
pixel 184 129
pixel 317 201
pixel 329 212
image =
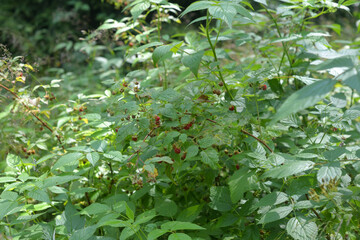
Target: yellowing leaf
pixel 85 120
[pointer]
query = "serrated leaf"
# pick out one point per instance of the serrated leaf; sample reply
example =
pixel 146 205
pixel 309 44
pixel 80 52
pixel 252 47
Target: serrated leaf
pixel 179 236
pixel 154 234
pixel 288 169
pixel 161 53
pixel 223 11
pixel 176 225
pixel 129 231
pixel 193 61
pixel 99 145
pixel 115 156
pixel 83 234
pixel 220 198
pixel 189 214
pixel 68 159
pixel 243 180
pixel 352 78
pixel 275 214
pixel 328 172
pixel 196 6
pixel 129 213
pixel 207 142
pixel 138 9
pixel 93 157
pixel 7 179
pixel 145 217
pixel 302 229
pixel 95 208
pixel 159 159
pixel 305 97
pixel 39 195
pixel 210 157
pixel 192 151
pixel 273 199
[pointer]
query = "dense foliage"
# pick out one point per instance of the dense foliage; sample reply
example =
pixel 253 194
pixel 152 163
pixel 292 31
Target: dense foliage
pixel 246 127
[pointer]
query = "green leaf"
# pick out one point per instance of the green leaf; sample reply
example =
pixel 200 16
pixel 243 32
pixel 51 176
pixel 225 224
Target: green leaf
pixel 129 231
pixel 7 179
pixel 161 53
pixel 189 214
pixel 138 9
pixel 179 236
pixel 207 142
pixel 305 97
pixel 145 217
pixel 154 234
pixel 166 207
pixel 68 159
pixel 58 180
pixel 192 151
pixel 83 234
pixel 273 199
pixel 352 78
pixel 12 160
pixel 196 6
pixel 115 156
pixel 329 171
pixel 210 157
pixel 159 159
pixel 243 180
pixel 242 11
pixel 193 61
pixel 176 225
pixel 302 229
pixel 99 145
pixel 339 100
pixel 139 49
pixel 275 214
pixel 129 212
pixel 39 195
pixel 220 199
pixel 223 11
pixel 93 158
pixel 6 206
pixel 288 169
pixel 261 1
pixel 95 208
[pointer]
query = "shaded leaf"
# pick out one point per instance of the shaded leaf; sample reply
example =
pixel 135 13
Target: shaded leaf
pixel 275 214
pixel 288 169
pixel 302 229
pixel 305 97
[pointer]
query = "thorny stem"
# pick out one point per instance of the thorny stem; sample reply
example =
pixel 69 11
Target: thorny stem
pixel 34 115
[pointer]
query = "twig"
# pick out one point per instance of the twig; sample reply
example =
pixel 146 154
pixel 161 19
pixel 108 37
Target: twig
pixel 249 134
pixel 32 113
pixel 312 209
pixel 137 151
pixel 257 139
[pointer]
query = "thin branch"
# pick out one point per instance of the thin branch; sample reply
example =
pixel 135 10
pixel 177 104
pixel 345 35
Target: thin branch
pixel 249 134
pixel 257 139
pixel 34 115
pixel 137 151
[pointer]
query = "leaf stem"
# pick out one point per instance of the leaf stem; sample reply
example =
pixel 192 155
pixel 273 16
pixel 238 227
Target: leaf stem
pixel 215 56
